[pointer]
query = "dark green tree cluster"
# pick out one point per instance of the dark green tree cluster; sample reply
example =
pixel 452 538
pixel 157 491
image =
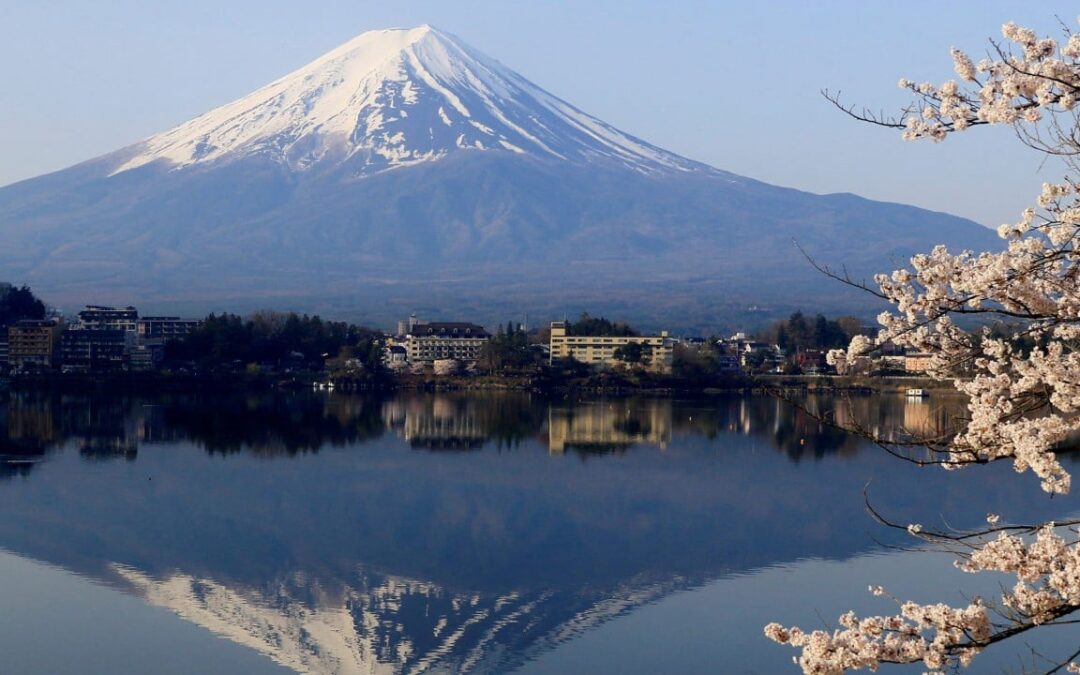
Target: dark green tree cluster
pixel 799 333
pixel 17 304
pixel 227 340
pixel 588 325
pixel 509 350
pixel 632 353
pixel 700 365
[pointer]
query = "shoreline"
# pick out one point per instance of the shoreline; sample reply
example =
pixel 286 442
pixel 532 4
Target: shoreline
pixel 603 384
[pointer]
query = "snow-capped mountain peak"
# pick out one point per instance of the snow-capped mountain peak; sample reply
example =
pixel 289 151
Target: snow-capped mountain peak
pixel 391 98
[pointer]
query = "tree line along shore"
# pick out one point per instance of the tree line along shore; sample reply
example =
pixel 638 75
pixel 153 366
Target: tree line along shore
pixel 273 349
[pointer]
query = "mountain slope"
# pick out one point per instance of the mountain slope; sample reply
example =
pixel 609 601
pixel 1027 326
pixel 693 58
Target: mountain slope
pixel 392 98
pixel 404 170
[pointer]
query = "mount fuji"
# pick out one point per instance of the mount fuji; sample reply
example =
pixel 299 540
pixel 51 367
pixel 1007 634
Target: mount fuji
pixel 394 98
pixel 406 170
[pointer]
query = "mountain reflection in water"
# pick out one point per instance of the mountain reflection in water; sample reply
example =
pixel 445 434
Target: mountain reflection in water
pixel 349 534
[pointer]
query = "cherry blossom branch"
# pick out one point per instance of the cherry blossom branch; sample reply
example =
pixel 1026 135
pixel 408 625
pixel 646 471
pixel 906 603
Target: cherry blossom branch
pixel 1022 385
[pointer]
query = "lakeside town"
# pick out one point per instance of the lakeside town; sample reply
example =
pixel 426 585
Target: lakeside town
pixel 36 341
pixel 540 338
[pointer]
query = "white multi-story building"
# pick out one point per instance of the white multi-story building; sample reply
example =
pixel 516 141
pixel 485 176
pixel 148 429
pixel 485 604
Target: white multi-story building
pixel 165 327
pixel 96 317
pixel 462 341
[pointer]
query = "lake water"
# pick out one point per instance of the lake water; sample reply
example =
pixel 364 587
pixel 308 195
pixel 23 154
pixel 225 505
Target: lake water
pixel 445 533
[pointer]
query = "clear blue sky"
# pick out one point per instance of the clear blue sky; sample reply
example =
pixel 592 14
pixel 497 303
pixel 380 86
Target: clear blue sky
pixel 733 84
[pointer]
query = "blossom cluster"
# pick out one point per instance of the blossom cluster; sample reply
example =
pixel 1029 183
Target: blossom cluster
pixel 1047 568
pixel 1022 382
pixel 1024 386
pixel 1041 77
pixel 937 635
pixel 1047 571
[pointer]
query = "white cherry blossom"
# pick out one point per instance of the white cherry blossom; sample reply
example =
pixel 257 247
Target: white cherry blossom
pixel 1022 382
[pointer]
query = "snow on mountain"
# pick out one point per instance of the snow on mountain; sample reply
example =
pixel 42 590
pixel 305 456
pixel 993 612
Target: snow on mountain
pixel 394 98
pixel 404 162
pixel 385 625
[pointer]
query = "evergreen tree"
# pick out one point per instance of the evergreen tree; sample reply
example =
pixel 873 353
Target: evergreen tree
pixel 17 304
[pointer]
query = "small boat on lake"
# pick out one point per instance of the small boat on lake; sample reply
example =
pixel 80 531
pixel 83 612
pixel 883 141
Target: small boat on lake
pixel 917 393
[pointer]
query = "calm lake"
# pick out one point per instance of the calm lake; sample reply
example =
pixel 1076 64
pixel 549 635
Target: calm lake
pixel 463 532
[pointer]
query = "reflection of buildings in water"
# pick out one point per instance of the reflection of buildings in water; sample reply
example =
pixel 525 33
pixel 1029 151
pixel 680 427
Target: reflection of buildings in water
pixel 887 418
pixel 11 466
pixel 151 427
pixel 847 413
pixel 108 447
pixel 114 427
pixel 28 430
pixel 438 422
pixel 924 418
pixel 388 624
pixel 899 418
pixel 604 425
pixel 751 411
pixel 873 416
pixel 105 431
pixel 467 421
pixel 791 427
pixel 393 414
pixel 30 424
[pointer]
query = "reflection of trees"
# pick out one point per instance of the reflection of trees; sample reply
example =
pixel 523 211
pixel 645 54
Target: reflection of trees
pixel 798 435
pixel 273 424
pixel 426 560
pixel 12 467
pixel 795 430
pixel 114 425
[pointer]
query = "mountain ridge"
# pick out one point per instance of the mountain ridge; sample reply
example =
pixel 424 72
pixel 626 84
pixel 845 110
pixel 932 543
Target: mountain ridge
pixel 359 203
pixel 398 96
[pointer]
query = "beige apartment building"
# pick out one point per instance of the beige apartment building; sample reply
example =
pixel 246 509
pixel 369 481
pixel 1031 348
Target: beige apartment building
pixel 599 350
pixel 917 363
pixel 33 343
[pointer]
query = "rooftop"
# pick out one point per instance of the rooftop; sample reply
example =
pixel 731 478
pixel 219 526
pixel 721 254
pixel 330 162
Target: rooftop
pixel 449 329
